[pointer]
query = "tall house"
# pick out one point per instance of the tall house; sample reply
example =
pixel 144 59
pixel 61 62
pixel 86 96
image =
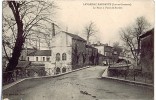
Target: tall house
pixel 105 53
pixel 70 51
pixel 147 52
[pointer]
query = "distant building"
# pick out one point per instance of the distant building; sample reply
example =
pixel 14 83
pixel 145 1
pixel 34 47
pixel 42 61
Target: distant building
pixel 39 56
pixel 92 55
pixel 68 52
pixel 101 52
pixel 106 53
pixel 25 52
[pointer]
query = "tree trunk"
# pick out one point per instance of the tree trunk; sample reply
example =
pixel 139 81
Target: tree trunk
pixel 13 61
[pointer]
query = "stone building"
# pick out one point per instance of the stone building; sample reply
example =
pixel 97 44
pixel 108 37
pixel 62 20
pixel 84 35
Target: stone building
pixel 101 57
pixel 25 52
pixel 40 58
pixel 147 52
pixel 92 55
pixel 106 53
pixel 69 51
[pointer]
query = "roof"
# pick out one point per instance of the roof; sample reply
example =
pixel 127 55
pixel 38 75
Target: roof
pixel 29 49
pixel 147 33
pixel 37 64
pixel 99 44
pixel 121 60
pixel 75 36
pixel 23 64
pixel 41 53
pixel 89 46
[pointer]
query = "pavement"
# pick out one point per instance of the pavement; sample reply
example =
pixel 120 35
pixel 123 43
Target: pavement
pixel 85 84
pixel 20 80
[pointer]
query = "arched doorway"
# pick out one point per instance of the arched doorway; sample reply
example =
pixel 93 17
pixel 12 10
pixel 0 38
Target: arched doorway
pixel 58 70
pixel 63 70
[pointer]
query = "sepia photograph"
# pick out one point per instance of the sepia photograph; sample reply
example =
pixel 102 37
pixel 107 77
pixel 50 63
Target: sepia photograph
pixel 78 49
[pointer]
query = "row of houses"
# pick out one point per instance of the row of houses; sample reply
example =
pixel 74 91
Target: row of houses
pixel 68 52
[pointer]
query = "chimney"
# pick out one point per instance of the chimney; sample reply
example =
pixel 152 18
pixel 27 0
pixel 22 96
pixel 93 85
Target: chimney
pixel 98 43
pixel 53 29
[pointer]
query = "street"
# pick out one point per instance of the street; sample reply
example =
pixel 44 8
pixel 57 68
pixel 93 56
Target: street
pixel 85 84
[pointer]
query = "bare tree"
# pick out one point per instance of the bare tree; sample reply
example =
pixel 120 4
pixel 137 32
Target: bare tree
pixel 117 48
pixel 131 36
pixel 26 17
pixel 90 30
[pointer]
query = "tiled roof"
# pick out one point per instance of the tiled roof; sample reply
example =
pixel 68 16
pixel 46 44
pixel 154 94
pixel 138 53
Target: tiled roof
pixel 75 36
pixel 41 53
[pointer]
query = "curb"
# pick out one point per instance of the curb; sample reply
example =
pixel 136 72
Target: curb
pixel 128 81
pixel 53 76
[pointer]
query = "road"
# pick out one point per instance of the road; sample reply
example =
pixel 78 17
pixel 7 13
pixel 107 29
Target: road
pixel 85 84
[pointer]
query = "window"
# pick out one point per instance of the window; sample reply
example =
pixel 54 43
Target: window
pixel 22 58
pixel 64 56
pixel 58 57
pixel 99 51
pixel 48 58
pixel 28 58
pixel 36 58
pixel 43 58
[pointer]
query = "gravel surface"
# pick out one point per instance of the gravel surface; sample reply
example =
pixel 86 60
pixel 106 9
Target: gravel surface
pixel 85 84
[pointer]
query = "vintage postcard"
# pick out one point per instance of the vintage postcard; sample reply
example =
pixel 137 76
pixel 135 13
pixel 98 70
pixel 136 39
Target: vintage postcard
pixel 78 50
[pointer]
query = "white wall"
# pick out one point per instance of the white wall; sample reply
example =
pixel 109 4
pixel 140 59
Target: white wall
pixel 40 58
pixel 61 39
pixel 100 49
pixel 61 43
pixel 62 50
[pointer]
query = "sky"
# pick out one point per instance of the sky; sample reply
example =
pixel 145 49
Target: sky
pixel 74 15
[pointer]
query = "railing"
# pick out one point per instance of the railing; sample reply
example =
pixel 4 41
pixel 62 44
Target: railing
pixel 132 75
pixel 15 75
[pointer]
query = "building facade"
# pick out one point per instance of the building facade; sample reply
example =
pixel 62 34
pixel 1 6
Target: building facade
pixel 70 51
pixel 147 52
pixel 106 54
pixel 40 58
